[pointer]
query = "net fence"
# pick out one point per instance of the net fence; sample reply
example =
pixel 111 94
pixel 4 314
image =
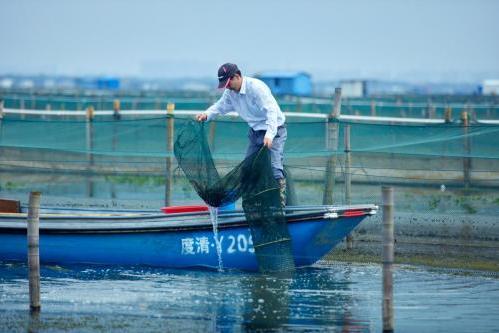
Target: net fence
pixel 445 175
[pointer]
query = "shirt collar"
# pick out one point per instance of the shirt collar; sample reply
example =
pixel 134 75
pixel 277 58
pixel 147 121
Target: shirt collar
pixel 243 86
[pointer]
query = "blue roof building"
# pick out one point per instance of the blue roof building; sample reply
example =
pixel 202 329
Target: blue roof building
pixel 288 83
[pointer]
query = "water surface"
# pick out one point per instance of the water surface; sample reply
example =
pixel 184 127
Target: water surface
pixel 327 298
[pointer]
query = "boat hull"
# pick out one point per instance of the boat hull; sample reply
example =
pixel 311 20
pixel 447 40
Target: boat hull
pixel 311 238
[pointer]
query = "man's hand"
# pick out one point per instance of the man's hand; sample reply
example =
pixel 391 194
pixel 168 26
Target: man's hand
pixel 201 117
pixel 267 142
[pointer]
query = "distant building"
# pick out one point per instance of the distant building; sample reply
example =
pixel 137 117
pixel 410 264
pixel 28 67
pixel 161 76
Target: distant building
pixel 109 83
pixel 288 83
pixel 489 87
pixel 101 83
pixel 353 88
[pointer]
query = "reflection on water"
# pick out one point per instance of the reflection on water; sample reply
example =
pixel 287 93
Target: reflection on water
pixel 336 298
pixel 267 305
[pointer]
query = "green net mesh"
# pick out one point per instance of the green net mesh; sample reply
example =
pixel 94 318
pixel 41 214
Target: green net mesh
pixel 252 180
pixel 445 175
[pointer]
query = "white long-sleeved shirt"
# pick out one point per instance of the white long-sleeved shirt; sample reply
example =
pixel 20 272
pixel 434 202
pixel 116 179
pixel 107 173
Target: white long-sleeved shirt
pixel 254 103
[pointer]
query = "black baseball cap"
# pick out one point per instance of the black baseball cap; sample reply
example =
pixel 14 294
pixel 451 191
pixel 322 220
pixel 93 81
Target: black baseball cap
pixel 225 72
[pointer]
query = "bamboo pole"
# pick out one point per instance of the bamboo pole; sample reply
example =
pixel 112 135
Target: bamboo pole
pixel 1 119
pixel 448 115
pixel 116 117
pixel 170 108
pixel 332 132
pixel 348 179
pixel 388 256
pixel 430 111
pixel 116 109
pixel 33 251
pixel 90 147
pixel 373 108
pixel 467 149
pixel 211 136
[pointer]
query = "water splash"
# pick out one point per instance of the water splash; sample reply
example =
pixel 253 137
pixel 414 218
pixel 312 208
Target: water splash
pixel 214 222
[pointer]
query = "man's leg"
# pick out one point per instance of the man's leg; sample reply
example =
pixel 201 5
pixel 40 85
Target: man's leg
pixel 277 159
pixel 276 155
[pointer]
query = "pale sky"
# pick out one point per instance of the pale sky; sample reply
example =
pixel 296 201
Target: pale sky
pixel 411 40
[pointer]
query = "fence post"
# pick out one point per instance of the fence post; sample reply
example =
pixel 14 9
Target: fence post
pixel 430 110
pixel 448 115
pixel 90 147
pixel 373 108
pixel 332 132
pixel 211 136
pixel 348 178
pixel 467 149
pixel 116 109
pixel 388 256
pixel 1 119
pixel 170 108
pixel 34 251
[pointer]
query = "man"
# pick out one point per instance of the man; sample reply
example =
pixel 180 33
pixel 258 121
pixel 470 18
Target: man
pixel 253 101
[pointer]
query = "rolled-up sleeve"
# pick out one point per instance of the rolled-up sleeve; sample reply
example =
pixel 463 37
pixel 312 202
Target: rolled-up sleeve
pixel 222 106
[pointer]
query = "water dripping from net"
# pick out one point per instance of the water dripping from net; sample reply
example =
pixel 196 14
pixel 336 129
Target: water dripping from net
pixel 214 223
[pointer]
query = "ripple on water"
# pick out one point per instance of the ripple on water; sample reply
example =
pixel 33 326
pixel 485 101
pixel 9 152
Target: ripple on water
pixel 335 297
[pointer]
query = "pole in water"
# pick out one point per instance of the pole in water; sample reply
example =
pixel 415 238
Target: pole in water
pixel 170 127
pixel 33 251
pixel 348 179
pixel 332 132
pixel 388 240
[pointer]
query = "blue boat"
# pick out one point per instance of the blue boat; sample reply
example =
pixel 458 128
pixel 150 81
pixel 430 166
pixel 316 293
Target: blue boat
pixel 181 240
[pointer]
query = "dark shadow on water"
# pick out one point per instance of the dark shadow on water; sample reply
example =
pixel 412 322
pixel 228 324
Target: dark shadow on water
pixel 308 299
pixel 267 307
pixel 34 322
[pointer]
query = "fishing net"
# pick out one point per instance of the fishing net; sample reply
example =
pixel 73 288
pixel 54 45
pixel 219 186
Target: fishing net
pixel 252 180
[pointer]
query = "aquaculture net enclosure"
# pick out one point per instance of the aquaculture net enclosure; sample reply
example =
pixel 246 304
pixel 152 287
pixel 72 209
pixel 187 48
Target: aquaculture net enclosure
pixel 445 174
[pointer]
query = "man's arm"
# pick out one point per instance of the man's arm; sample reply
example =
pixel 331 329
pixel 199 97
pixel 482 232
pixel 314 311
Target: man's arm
pixel 222 106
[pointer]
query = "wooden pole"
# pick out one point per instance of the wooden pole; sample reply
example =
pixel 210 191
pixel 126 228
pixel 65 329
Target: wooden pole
pixel 298 105
pixel 34 252
pixel 448 115
pixel 348 178
pixel 116 109
pixel 388 255
pixel 90 147
pixel 170 108
pixel 430 111
pixel 1 120
pixel 373 108
pixel 211 136
pixel 467 149
pixel 332 132
pixel 116 117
